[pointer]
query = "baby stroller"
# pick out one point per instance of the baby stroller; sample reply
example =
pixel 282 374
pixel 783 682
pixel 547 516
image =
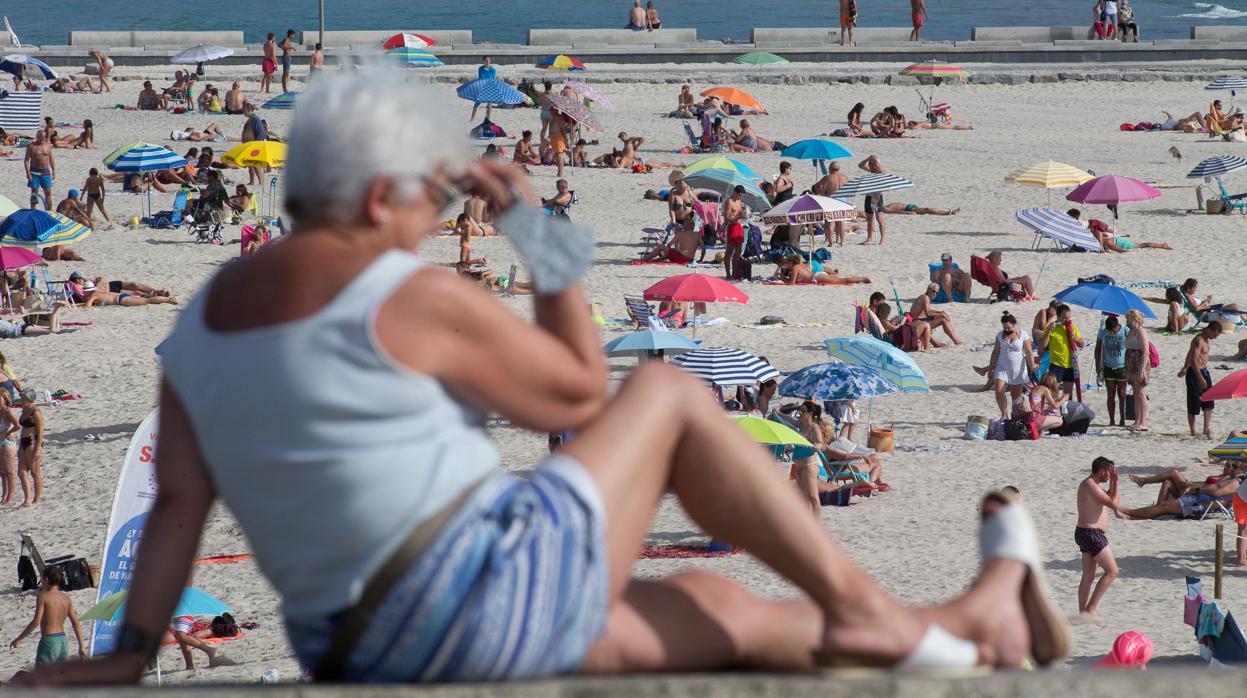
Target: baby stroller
pixel 935 113
pixel 205 222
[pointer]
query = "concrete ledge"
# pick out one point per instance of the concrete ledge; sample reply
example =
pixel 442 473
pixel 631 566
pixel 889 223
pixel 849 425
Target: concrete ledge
pixel 787 35
pixel 876 34
pixel 111 39
pixel 1031 35
pixel 612 37
pixel 1220 33
pixel 444 37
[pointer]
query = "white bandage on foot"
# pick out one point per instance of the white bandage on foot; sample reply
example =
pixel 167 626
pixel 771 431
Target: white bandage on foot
pixel 939 649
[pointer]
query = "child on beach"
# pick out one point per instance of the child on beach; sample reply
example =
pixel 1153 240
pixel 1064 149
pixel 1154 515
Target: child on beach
pixel 52 608
pixel 1091 535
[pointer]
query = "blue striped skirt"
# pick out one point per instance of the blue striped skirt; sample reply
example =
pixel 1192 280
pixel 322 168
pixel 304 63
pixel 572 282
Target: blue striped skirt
pixel 514 587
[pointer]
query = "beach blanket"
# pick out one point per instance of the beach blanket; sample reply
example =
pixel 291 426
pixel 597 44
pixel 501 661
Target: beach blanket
pixel 21 111
pixel 666 552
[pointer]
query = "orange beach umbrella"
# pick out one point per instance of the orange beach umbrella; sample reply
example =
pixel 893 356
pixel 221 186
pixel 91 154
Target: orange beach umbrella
pixel 731 95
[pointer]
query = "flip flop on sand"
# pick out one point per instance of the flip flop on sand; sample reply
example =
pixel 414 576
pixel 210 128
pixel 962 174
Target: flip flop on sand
pixel 1009 534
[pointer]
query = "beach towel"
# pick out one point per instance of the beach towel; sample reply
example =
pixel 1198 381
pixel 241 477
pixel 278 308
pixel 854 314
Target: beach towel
pixel 679 551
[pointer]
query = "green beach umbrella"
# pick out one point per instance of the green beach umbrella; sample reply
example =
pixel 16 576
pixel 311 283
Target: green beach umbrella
pixel 771 433
pixel 760 58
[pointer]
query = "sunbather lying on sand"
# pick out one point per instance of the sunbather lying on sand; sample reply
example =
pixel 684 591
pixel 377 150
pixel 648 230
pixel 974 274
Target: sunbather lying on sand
pixel 914 210
pixel 793 269
pixel 211 132
pixel 1112 241
pixel 1180 498
pixel 90 294
pixel 923 125
pixel 491 281
pixel 79 281
pixel 34 323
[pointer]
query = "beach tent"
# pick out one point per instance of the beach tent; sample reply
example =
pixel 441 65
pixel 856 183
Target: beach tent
pixel 21 111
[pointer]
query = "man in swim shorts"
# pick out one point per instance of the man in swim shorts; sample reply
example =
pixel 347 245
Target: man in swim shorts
pixel 636 17
pixel 1198 380
pixel 918 13
pixel 40 170
pixel 733 222
pixel 52 608
pixel 268 66
pixel 1091 533
pixel 848 19
pixel 287 59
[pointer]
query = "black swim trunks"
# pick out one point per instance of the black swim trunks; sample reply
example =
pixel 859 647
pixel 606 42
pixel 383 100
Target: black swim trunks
pixel 1193 392
pixel 1090 540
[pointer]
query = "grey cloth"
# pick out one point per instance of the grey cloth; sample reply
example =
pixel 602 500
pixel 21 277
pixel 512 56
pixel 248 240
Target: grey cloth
pixel 557 251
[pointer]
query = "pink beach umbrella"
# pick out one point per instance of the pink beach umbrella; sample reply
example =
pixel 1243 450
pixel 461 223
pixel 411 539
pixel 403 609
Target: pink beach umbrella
pixel 1112 189
pixel 18 258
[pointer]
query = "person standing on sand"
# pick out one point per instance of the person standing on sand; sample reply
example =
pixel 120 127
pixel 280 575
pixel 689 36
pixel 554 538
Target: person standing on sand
pixel 1110 366
pixel 316 63
pixel 874 202
pixel 918 14
pixel 52 608
pixel 827 186
pixel 733 224
pixel 1062 340
pixel 1198 380
pixel 268 65
pixel 287 59
pixel 1091 535
pixel 105 66
pixel 848 20
pixel 40 170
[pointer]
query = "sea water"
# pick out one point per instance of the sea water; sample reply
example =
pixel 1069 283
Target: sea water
pixel 506 21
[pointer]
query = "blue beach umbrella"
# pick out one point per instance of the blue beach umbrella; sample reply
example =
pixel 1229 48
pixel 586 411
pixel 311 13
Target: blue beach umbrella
pixel 836 381
pixel 24 66
pixel 816 149
pixel 194 602
pixel 894 364
pixel 414 57
pixel 490 91
pixel 726 366
pixel 33 229
pixel 285 100
pixel 718 162
pixel 1106 298
pixel 143 157
pixel 650 342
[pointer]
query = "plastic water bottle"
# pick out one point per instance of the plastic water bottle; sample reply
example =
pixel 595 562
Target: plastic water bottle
pixel 271 676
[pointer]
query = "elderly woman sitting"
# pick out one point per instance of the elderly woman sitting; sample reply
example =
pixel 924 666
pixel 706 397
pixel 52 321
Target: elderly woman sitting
pixel 420 568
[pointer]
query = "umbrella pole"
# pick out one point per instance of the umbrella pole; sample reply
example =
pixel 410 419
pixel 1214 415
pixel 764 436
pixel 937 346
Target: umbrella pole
pixel 694 320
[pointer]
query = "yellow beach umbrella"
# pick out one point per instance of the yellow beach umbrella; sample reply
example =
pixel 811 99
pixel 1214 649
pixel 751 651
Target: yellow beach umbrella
pixel 257 154
pixel 1050 175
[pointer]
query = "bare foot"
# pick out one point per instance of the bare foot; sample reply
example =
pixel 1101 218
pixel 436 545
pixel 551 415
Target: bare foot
pixel 982 371
pixel 1136 480
pixel 955 212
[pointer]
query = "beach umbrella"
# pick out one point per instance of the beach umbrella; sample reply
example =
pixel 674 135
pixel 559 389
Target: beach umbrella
pixel 718 162
pixel 1231 387
pixel 695 288
pixel 1234 447
pixel 574 109
pixel 284 100
pixel 590 92
pixel 732 95
pixel 257 154
pixel 490 91
pixel 1059 226
pixel 194 602
pixel 893 363
pixel 200 54
pixel 560 62
pixel 1217 166
pixel 873 183
pixel 1050 175
pixel 1106 298
pixel 777 436
pixel 413 57
pixel 143 157
pixel 18 258
pixel 934 69
pixel 24 66
pixel 816 149
pixel 760 58
pixel 809 208
pixel 34 229
pixel 726 366
pixel 1112 189
pixel 405 40
pixel 7 207
pixel 1227 82
pixel 646 342
pixel 836 381
pixel 723 181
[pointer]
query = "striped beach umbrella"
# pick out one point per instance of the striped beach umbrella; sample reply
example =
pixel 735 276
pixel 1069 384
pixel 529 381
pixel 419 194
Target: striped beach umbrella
pixel 407 40
pixel 143 157
pixel 836 381
pixel 413 57
pixel 809 208
pixel 24 66
pixel 257 154
pixel 1050 175
pixel 718 162
pixel 726 366
pixel 575 110
pixel 591 93
pixel 873 183
pixel 1059 226
pixel 732 95
pixel 1217 166
pixel 723 181
pixel 645 342
pixel 284 100
pixel 1234 447
pixel 934 69
pixel 490 91
pixel 33 229
pixel 1227 82
pixel 560 62
pixel 893 363
pixel 760 58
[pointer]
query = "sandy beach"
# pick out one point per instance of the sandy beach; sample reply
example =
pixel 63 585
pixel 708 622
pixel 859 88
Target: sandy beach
pixel 919 540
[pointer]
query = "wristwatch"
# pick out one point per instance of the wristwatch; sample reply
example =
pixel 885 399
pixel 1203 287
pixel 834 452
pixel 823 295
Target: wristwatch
pixel 136 641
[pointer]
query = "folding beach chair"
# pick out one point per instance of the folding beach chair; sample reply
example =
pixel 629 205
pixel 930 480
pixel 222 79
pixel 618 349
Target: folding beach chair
pixel 173 218
pixel 827 469
pixel 640 311
pixel 1233 202
pixel 987 274
pixel 653 237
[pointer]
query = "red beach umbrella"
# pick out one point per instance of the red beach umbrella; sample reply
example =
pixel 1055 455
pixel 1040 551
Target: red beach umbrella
pixel 405 40
pixel 1229 388
pixel 695 288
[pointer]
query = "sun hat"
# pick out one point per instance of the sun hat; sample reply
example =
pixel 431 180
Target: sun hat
pixel 29 395
pixel 76 275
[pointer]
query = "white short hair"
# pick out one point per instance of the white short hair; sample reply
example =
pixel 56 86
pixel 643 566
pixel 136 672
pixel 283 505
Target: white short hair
pixel 350 129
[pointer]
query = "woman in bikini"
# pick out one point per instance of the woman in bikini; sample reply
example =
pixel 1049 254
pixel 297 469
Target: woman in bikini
pixel 94 189
pixel 1045 406
pixel 30 453
pixel 914 335
pixel 83 140
pixel 855 120
pixel 8 449
pixel 794 270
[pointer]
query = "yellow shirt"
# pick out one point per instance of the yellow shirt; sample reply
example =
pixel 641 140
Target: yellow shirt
pixel 1058 345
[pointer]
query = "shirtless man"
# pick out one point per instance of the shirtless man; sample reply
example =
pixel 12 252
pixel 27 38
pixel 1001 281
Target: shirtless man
pixel 235 99
pixel 562 199
pixel 287 59
pixel 848 18
pixel 40 170
pixel 827 186
pixel 916 210
pixel 72 208
pixel 734 225
pixel 951 279
pixel 1194 504
pixel 636 17
pixel 684 110
pixel 316 63
pixel 149 99
pixel 52 608
pixel 477 210
pixel 683 246
pixel 524 154
pixel 559 125
pixel 922 310
pixel 1198 380
pixel 1091 535
pixel 918 14
pixel 105 66
pixel 268 65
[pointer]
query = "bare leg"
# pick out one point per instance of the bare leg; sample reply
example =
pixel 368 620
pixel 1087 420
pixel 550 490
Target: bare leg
pixel 1002 402
pixel 8 474
pixel 1104 560
pixel 1086 582
pixel 1169 507
pixel 1172 476
pixel 24 475
pixel 1242 544
pixel 1140 407
pixel 806 476
pixel 1208 423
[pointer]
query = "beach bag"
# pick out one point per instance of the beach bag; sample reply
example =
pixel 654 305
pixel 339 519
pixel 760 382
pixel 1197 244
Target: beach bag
pixel 1076 419
pixel 1153 356
pixel 996 430
pixel 26 574
pixel 75 571
pixel 753 242
pixel 1098 279
pixel 1016 430
pixel 822 254
pixel 224 626
pixel 976 428
pixel 838 498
